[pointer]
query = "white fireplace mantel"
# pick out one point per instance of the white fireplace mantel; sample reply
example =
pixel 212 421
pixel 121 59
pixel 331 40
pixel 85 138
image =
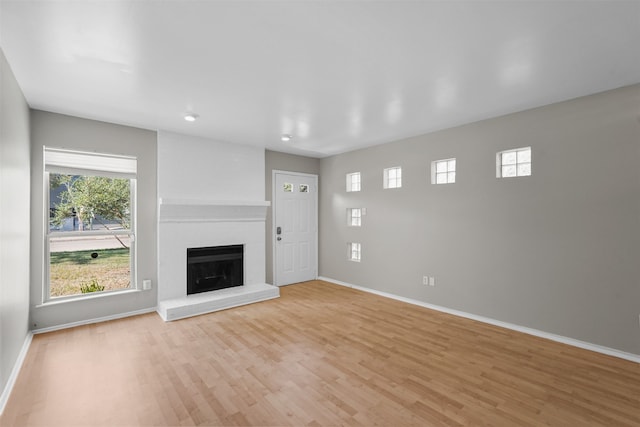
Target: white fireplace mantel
pixel 190 223
pixel 198 210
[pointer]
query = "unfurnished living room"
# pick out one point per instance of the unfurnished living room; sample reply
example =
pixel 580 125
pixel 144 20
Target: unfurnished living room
pixel 319 213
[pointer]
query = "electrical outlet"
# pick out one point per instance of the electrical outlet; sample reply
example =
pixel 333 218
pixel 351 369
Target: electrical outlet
pixel 432 281
pixel 425 280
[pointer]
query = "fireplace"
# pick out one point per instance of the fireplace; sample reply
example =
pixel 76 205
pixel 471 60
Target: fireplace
pixel 214 268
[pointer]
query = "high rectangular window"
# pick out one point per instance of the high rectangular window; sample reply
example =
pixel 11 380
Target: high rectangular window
pixel 90 216
pixel 392 177
pixel 354 252
pixel 512 163
pixel 443 171
pixel 354 217
pixel 353 181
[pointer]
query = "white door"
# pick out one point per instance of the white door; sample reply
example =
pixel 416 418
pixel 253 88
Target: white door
pixel 295 227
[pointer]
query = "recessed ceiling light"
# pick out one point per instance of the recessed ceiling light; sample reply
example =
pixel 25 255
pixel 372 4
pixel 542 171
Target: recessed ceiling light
pixel 191 117
pixel 286 137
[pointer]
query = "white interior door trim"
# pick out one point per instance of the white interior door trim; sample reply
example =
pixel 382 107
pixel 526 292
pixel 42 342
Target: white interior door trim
pixel 274 206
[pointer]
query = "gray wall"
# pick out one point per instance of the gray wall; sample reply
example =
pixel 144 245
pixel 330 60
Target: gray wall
pixel 14 221
pixel 60 131
pixel 284 162
pixel 558 251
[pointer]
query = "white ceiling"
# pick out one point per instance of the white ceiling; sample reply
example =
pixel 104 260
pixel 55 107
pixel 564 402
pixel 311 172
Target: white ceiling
pixel 337 75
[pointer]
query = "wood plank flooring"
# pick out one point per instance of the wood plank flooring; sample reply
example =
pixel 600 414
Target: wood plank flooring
pixel 321 355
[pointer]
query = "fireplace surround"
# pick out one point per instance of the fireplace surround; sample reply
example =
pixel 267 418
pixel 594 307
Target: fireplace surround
pixel 186 224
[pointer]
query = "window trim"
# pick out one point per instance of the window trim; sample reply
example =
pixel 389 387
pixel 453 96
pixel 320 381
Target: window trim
pixel 124 173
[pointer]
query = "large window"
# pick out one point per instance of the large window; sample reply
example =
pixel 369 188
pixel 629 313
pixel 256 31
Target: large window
pixel 90 223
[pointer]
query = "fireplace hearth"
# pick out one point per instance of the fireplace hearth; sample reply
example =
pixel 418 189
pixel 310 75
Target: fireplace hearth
pixel 214 268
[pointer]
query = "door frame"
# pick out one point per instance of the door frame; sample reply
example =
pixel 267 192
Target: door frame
pixel 274 206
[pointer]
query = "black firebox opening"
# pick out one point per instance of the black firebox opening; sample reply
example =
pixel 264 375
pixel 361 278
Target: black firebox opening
pixel 218 267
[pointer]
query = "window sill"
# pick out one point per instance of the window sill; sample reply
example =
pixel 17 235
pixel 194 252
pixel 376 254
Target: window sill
pixel 77 298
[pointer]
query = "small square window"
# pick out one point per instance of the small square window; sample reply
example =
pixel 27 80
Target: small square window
pixel 287 187
pixel 353 181
pixel 354 217
pixel 304 188
pixel 354 252
pixel 443 171
pixel 393 177
pixel 512 163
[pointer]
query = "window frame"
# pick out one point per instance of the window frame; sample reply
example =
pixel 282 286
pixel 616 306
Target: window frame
pixel 351 217
pixel 351 251
pixel 448 172
pixel 48 234
pixel 500 165
pixel 386 180
pixel 350 184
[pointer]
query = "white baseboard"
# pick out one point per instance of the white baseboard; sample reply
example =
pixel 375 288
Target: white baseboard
pixel 553 337
pixel 8 388
pixel 95 320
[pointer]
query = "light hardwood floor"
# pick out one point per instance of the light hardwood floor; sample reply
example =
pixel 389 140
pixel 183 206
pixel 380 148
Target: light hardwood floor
pixel 320 355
